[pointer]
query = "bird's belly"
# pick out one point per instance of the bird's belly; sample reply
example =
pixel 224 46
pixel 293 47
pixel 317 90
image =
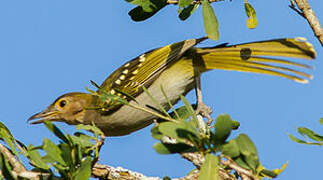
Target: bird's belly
pixel 176 80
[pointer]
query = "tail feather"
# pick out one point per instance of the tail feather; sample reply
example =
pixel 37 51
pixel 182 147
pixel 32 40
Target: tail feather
pixel 289 47
pixel 243 68
pixel 257 57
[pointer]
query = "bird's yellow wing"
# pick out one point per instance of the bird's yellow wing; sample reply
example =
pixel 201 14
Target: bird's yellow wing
pixel 143 70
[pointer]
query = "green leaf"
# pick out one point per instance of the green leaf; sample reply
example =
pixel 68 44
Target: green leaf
pixel 155 133
pixel 84 171
pixel 82 139
pixel 148 5
pixel 127 95
pixel 293 138
pixel 183 113
pixel 6 170
pixel 194 120
pixel 91 128
pixel 36 159
pixel 252 161
pixel 181 131
pixel 278 171
pixel 184 3
pixel 8 138
pixel 138 14
pixel 263 172
pixel 187 11
pixel 146 9
pixel 241 163
pixel 22 146
pixel 58 133
pixel 210 21
pixel 165 148
pixel 53 151
pixel 231 149
pixel 174 113
pixel 309 133
pixel 95 84
pixel 156 102
pixel 48 159
pixel 235 125
pixel 210 168
pixel 223 127
pixel 321 121
pixel 67 154
pixel 246 146
pixel 252 18
pixel 248 150
pixel 108 97
pixel 4 128
pixel 268 173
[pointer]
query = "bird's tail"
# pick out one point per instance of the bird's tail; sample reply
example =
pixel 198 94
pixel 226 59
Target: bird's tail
pixel 259 57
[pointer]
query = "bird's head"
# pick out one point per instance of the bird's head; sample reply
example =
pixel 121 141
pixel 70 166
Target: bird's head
pixel 70 108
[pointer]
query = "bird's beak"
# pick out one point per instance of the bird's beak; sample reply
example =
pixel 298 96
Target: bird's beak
pixel 46 115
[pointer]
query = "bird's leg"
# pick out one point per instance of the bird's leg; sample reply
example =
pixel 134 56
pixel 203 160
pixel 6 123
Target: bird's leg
pixel 98 146
pixel 201 107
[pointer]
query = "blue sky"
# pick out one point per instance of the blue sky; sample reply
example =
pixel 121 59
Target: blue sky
pixel 48 48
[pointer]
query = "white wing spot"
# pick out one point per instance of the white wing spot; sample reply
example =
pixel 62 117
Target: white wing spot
pixel 112 91
pixel 139 65
pixel 125 71
pixel 122 77
pixel 142 58
pixel 118 82
pixel 126 65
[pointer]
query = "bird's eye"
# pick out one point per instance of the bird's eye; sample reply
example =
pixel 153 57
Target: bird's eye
pixel 62 103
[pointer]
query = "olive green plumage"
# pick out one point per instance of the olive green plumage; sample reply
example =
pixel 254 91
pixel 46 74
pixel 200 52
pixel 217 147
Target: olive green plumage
pixel 173 67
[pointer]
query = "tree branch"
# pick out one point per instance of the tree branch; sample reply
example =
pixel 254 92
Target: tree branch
pixel 309 15
pixel 104 172
pixel 18 169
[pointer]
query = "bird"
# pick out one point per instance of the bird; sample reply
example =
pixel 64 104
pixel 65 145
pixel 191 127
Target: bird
pixel 173 69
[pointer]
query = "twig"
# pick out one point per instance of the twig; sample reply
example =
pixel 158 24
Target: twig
pixel 17 166
pixel 309 14
pixel 151 112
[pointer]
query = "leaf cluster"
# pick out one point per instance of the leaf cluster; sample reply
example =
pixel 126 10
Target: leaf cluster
pixel 71 158
pixel 147 8
pixel 185 135
pixel 310 137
